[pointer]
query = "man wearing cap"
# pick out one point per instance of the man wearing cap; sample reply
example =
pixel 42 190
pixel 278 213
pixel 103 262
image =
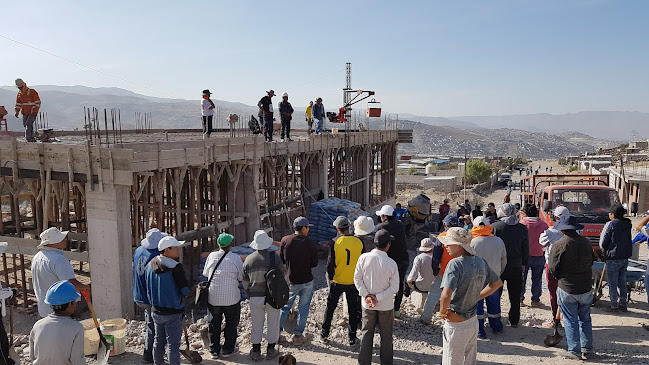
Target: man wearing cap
pixel 547 239
pixel 28 103
pixel 398 249
pixel 492 250
pixel 536 261
pixel 166 288
pixel 143 255
pixel 343 255
pixel 308 116
pixel 285 115
pixel 364 229
pixel 615 242
pixel 421 275
pixel 57 338
pixel 300 255
pixel 255 268
pixel 50 266
pixel 463 286
pixel 207 111
pixel 571 262
pixel 516 240
pixel 441 258
pixel 318 115
pixel 376 278
pixel 265 105
pixel 226 272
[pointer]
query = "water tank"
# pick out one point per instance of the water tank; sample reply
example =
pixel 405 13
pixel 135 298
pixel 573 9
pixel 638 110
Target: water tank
pixel 430 169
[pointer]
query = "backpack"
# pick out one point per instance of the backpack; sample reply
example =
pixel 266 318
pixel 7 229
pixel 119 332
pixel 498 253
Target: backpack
pixel 276 286
pixel 253 124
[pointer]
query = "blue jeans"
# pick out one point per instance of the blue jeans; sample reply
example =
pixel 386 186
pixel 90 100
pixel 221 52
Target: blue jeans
pixel 576 315
pixel 616 277
pixel 168 330
pixel 536 264
pixel 149 335
pixel 493 313
pixel 305 292
pixel 434 293
pixel 318 125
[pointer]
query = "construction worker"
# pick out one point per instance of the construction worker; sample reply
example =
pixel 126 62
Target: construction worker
pixel 308 116
pixel 28 103
pixel 343 255
pixel 266 112
pixel 141 258
pixel 207 112
pixel 318 115
pixel 166 288
pixel 57 338
pixel 285 114
pixel 49 266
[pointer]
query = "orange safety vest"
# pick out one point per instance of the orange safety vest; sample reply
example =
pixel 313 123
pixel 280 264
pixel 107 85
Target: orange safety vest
pixel 27 101
pixel 446 257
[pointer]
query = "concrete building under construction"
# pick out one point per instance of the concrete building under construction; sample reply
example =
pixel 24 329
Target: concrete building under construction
pixel 109 195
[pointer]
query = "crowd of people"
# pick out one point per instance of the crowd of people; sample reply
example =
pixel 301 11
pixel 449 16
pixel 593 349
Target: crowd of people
pixel 453 276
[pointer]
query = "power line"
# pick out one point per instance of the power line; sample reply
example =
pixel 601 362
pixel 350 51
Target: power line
pixel 88 67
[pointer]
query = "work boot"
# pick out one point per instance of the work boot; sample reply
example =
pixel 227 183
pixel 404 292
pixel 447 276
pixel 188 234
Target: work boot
pixel 255 355
pixel 623 308
pixel 324 336
pixel 611 310
pixel 298 340
pixel 271 352
pixel 353 340
pixel 536 304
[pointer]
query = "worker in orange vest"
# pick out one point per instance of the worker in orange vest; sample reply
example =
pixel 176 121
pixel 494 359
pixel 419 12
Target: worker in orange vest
pixel 28 103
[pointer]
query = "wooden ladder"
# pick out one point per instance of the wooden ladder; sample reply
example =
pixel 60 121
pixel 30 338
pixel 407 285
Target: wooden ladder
pixel 265 216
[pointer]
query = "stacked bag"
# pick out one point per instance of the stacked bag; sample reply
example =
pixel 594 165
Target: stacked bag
pixel 323 213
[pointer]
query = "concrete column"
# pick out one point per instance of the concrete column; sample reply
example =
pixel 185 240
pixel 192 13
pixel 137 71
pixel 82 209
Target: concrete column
pixel 366 184
pixel 110 251
pixel 324 174
pixel 249 185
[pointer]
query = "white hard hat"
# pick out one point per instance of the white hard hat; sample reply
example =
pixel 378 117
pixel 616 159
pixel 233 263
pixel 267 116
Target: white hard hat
pixel 285 95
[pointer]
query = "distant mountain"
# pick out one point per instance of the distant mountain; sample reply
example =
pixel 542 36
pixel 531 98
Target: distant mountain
pixel 607 125
pixel 478 142
pixel 439 121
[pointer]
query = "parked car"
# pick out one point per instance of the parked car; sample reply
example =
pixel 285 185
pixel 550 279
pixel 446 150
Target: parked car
pixel 504 178
pixel 520 167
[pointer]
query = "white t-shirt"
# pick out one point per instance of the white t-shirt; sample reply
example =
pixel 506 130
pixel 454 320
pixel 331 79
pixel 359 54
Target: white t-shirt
pixel 224 288
pixel 48 267
pixel 205 108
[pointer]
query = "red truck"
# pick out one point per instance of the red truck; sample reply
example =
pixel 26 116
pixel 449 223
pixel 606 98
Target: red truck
pixel 587 197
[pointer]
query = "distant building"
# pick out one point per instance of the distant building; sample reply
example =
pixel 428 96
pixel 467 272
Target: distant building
pixel 632 186
pixel 639 144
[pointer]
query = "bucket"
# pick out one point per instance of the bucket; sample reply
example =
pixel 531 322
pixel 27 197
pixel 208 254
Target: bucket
pixel 373 109
pixel 334 130
pixel 90 337
pixel 114 331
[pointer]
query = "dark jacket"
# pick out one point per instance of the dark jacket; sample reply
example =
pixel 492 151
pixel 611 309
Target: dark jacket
pixel 516 241
pixel 141 259
pixel 166 285
pixel 285 110
pixel 398 249
pixel 318 111
pixel 264 104
pixel 438 251
pixel 300 255
pixel 615 239
pixel 571 261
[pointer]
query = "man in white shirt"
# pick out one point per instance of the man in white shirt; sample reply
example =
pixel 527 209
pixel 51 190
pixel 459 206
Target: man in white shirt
pixel 377 279
pixel 224 296
pixel 50 266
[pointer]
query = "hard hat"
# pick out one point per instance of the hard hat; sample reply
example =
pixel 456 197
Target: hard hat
pixel 62 292
pixel 285 95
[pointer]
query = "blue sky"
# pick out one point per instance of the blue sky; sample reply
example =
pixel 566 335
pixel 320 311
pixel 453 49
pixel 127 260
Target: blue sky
pixel 433 58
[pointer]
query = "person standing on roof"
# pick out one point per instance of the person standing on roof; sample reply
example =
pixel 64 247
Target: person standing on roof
pixel 376 278
pixel 300 255
pixel 285 114
pixel 58 339
pixel 28 103
pixel 492 250
pixel 516 240
pixel 143 255
pixel 343 255
pixel 547 239
pixel 318 115
pixel 166 288
pixel 536 263
pixel 398 249
pixel 49 266
pixel 615 242
pixel 308 116
pixel 265 105
pixel 207 111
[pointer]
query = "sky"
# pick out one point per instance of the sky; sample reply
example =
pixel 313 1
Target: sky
pixel 423 57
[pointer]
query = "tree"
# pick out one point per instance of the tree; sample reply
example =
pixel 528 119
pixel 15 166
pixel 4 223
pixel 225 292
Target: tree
pixel 477 171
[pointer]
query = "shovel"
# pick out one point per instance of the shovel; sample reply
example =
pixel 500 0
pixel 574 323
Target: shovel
pixel 598 290
pixel 554 339
pixel 104 348
pixel 193 356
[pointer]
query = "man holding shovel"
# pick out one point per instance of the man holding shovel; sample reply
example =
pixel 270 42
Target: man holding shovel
pixel 571 261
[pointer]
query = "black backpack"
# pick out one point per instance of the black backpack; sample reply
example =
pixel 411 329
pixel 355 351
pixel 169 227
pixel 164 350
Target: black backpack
pixel 253 124
pixel 276 286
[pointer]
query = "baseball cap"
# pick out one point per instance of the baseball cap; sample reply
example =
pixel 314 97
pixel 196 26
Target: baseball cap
pixel 481 221
pixel 386 210
pixel 169 241
pixel 300 222
pixel 451 220
pixel 224 239
pixel 560 210
pixel 382 238
pixel 341 222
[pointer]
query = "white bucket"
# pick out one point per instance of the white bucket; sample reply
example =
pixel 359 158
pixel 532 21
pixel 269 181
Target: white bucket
pixel 114 331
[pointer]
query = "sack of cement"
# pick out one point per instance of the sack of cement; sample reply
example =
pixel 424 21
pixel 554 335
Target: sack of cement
pixel 323 213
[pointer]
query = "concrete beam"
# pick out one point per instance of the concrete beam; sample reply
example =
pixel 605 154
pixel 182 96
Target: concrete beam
pixel 111 255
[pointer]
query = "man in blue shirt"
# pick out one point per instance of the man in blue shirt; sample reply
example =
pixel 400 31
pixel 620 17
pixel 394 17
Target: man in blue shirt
pixel 143 254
